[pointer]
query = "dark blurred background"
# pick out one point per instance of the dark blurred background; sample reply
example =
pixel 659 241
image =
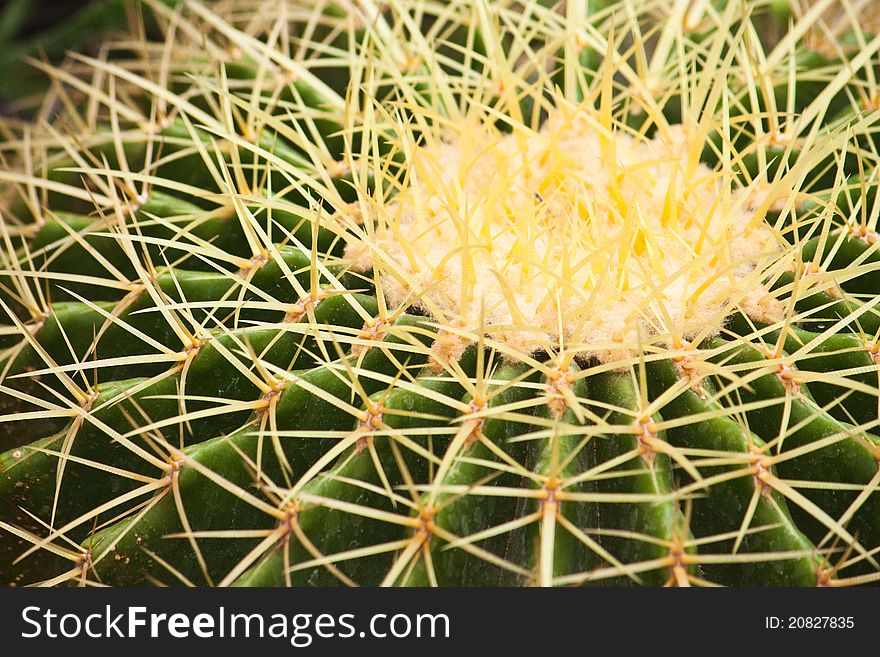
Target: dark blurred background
pixel 47 29
pixel 35 15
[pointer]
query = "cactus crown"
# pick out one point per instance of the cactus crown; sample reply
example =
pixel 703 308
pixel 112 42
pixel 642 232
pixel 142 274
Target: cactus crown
pixel 577 226
pixel 445 293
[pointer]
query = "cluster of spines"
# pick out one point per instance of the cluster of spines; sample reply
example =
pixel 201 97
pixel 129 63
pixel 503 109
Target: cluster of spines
pixel 225 406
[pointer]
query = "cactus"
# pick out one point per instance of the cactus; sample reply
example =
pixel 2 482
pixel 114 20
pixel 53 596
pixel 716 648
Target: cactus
pixel 42 30
pixel 459 294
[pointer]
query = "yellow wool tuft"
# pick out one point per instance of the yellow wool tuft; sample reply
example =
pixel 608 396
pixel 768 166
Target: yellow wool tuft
pixel 573 225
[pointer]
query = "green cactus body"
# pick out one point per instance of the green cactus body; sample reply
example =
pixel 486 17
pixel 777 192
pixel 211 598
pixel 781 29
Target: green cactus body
pixel 331 297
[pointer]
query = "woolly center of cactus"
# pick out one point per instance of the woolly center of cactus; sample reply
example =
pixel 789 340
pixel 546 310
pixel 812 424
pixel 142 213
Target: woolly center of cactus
pixel 573 230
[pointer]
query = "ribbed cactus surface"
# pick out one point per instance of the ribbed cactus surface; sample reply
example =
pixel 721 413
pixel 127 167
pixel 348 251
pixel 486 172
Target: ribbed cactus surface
pixel 457 293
